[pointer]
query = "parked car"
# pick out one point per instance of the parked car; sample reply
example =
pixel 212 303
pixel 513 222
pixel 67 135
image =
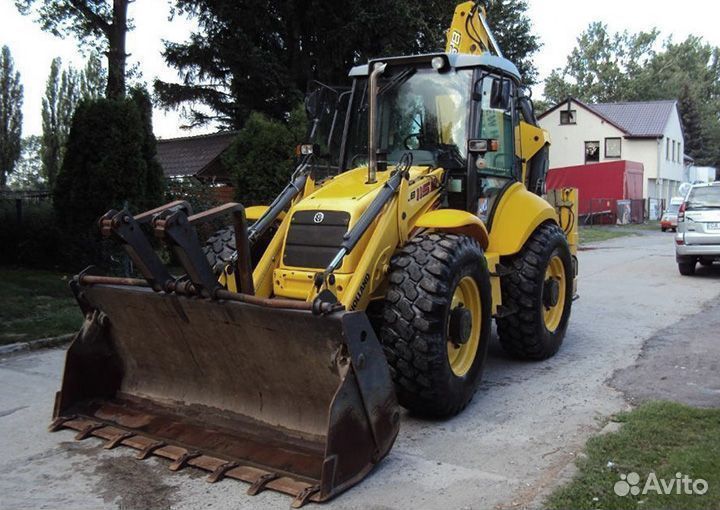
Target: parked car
pixel 698 231
pixel 670 215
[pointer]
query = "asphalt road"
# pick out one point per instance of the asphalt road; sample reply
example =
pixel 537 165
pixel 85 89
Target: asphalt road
pixel 514 442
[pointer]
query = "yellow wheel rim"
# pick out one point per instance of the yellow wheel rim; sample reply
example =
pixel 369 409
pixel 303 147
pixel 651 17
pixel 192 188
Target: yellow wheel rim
pixel 553 313
pixel 461 357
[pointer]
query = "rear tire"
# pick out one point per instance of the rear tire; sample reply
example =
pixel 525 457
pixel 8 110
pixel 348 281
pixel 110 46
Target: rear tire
pixel 687 268
pixel 537 327
pixel 436 282
pixel 663 229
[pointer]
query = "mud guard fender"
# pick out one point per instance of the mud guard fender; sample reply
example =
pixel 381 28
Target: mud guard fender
pixel 455 221
pixel 516 217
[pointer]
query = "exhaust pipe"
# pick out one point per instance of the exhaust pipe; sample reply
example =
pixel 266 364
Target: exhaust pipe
pixel 378 69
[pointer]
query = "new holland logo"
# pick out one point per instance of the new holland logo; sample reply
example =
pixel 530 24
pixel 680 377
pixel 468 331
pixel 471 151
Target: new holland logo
pixel 358 295
pixel 319 217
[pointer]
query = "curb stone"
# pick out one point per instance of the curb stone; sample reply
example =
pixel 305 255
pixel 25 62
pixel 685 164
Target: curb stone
pixel 42 343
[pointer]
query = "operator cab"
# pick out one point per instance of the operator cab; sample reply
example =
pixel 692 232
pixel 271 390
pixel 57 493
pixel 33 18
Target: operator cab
pixel 453 111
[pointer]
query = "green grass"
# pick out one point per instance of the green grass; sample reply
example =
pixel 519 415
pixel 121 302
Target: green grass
pixel 660 437
pixel 590 235
pixel 650 225
pixel 598 233
pixel 35 304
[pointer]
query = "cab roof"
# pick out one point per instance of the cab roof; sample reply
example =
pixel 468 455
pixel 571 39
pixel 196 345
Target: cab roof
pixel 456 60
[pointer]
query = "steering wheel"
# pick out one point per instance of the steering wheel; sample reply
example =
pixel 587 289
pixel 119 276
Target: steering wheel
pixel 353 161
pixel 409 137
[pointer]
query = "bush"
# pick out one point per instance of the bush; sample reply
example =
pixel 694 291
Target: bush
pixel 35 241
pixel 154 176
pixel 262 157
pixel 109 164
pixel 200 196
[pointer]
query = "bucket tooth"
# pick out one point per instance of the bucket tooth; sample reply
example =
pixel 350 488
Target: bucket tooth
pixel 149 449
pixel 117 440
pixel 259 484
pixel 304 495
pixel 182 461
pixel 88 430
pixel 59 422
pixel 220 471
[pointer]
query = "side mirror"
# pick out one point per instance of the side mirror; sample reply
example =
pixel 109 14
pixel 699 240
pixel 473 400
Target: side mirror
pixel 482 146
pixel 500 94
pixel 312 104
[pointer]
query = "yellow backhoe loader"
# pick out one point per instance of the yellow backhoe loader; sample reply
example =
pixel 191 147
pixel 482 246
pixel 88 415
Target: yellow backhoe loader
pixel 281 353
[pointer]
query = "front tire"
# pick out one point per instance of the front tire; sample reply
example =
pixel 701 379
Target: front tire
pixel 539 292
pixel 220 248
pixel 436 322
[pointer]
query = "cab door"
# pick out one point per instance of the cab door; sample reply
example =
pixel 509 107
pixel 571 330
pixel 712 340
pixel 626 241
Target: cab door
pixel 493 164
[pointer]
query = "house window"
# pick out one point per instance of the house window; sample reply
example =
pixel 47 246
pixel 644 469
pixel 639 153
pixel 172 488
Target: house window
pixel 592 152
pixel 613 147
pixel 568 117
pixel 673 151
pixel 667 149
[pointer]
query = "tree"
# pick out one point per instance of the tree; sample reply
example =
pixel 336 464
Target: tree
pixel 688 71
pixel 11 100
pixel 262 156
pixel 153 187
pixel 513 31
pixel 105 165
pixel 93 78
pixel 692 124
pixel 261 57
pixel 62 94
pixel 94 21
pixel 28 173
pixel 602 66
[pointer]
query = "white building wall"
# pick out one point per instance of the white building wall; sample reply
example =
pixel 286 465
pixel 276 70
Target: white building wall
pixel 568 140
pixel 644 151
pixel 671 168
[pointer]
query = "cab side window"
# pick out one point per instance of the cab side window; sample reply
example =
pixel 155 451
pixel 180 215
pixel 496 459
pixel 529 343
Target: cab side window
pixel 496 167
pixel 496 124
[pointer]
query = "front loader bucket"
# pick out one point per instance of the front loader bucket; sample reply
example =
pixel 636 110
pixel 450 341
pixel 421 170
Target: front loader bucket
pixel 280 398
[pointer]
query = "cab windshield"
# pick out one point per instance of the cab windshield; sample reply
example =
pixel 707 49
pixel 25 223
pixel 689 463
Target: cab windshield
pixel 420 111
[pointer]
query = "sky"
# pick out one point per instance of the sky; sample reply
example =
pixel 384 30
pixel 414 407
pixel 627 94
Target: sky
pixel 557 22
